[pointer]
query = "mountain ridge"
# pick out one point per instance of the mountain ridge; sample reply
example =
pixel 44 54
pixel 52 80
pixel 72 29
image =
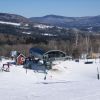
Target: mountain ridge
pixel 52 23
pixel 54 20
pixel 63 21
pixel 13 18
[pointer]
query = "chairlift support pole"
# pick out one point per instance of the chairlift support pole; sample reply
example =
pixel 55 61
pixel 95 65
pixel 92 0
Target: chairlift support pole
pixel 26 70
pixel 98 73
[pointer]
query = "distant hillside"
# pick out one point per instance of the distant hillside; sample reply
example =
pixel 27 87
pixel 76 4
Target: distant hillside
pixel 68 34
pixel 62 21
pixel 89 23
pixel 13 18
pixel 54 20
pixel 48 26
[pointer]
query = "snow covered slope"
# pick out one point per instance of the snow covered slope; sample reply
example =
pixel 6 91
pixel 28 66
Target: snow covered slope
pixel 43 26
pixel 68 80
pixel 10 23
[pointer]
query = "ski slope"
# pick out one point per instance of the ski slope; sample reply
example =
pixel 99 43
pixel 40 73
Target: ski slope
pixel 68 80
pixel 10 23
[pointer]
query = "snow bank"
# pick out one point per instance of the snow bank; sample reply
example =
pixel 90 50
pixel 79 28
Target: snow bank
pixel 70 81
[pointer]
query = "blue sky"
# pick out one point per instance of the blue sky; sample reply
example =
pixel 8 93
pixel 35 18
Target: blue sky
pixel 33 8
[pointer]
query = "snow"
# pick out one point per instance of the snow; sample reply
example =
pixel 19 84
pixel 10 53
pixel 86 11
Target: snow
pixel 47 34
pixel 42 26
pixel 26 32
pixel 68 80
pixel 10 23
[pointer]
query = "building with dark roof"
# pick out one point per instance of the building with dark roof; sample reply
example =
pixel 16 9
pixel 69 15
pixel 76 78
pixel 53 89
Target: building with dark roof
pixel 36 52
